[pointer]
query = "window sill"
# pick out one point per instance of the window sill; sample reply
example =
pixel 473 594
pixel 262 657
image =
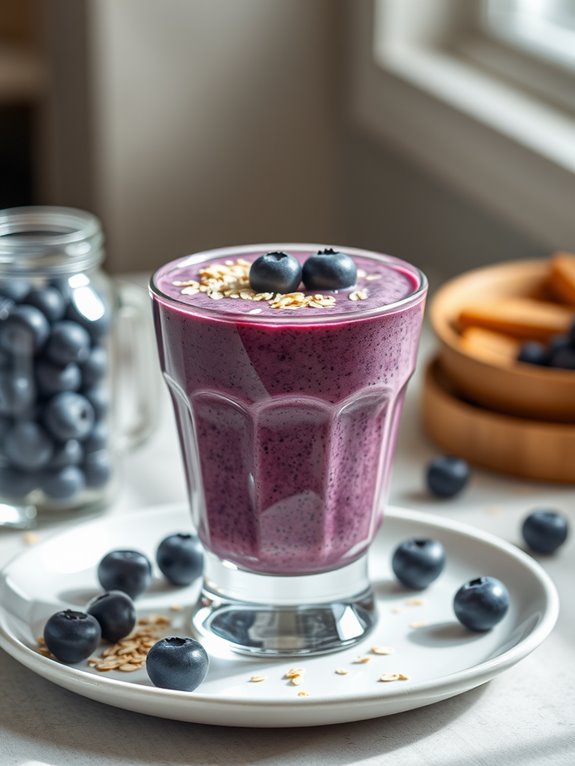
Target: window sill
pixel 494 142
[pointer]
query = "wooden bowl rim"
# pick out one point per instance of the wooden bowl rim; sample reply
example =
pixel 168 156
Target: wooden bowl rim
pixel 450 338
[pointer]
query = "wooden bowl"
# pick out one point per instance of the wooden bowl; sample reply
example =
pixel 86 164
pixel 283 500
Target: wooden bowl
pixel 507 386
pixel 529 449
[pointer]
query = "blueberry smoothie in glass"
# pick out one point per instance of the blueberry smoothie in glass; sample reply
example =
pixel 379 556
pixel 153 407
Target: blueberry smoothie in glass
pixel 287 366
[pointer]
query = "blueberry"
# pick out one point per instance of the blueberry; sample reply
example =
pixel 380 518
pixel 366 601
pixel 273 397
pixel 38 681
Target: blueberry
pixel 6 306
pixel 125 570
pixel 72 636
pixel 71 452
pixel 16 484
pixel 69 416
pixel 329 269
pixel 49 301
pixel 177 663
pixel 63 483
pixel 97 468
pixel 89 308
pixel 5 425
pixel 563 359
pixel 545 530
pixel 98 438
pixel 95 367
pixel 533 352
pixel 275 272
pixel 116 614
pixel 27 446
pixel 15 289
pixel 24 330
pixel 446 476
pixel 17 393
pixel 418 562
pixel 68 342
pixel 481 603
pixel 180 558
pixel 54 378
pixel 98 398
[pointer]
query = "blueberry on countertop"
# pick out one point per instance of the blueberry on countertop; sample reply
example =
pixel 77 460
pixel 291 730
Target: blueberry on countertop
pixel 180 558
pixel 481 603
pixel 125 570
pixel 177 663
pixel 418 562
pixel 446 476
pixel 72 636
pixel 329 269
pixel 115 612
pixel 544 530
pixel 275 273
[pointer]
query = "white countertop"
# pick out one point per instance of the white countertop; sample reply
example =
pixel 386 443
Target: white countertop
pixel 525 716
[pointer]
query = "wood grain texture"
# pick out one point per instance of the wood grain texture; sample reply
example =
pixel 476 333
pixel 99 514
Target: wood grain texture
pixel 510 445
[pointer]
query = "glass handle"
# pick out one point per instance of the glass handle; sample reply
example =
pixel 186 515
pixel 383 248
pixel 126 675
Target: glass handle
pixel 137 378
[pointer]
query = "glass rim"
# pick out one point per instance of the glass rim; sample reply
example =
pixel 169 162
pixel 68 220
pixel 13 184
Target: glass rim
pixel 215 314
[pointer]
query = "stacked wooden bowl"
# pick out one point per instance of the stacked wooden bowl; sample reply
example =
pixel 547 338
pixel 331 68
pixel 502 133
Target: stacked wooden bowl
pixel 479 402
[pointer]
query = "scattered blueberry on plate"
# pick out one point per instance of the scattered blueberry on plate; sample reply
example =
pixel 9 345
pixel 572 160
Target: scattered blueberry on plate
pixel 180 558
pixel 125 570
pixel 177 663
pixel 329 269
pixel 275 272
pixel 545 530
pixel 446 476
pixel 72 636
pixel 418 562
pixel 481 603
pixel 115 613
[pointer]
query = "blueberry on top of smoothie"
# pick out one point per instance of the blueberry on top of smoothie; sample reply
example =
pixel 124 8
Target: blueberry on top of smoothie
pixel 329 269
pixel 275 272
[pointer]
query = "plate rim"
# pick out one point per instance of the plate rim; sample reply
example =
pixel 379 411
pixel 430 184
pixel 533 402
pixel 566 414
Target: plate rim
pixel 79 680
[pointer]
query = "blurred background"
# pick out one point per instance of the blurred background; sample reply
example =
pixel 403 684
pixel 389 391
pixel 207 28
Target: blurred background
pixel 439 131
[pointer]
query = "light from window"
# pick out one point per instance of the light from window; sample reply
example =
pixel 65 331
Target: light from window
pixel 543 27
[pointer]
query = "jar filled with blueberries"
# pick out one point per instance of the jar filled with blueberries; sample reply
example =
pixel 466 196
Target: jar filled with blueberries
pixel 57 370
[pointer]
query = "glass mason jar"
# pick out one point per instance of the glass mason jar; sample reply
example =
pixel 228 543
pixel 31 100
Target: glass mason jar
pixel 61 320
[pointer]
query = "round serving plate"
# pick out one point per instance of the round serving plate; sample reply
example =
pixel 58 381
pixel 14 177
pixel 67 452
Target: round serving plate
pixel 437 656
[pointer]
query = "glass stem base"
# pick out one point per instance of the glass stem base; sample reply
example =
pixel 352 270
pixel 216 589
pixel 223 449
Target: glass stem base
pixel 270 615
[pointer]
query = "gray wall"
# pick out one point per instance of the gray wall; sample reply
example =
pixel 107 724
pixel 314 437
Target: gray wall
pixel 189 124
pixel 389 203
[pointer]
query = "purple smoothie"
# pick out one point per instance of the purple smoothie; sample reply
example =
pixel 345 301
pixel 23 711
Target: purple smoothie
pixel 288 418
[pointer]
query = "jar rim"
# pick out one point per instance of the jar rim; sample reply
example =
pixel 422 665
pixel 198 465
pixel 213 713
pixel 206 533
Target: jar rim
pixel 37 238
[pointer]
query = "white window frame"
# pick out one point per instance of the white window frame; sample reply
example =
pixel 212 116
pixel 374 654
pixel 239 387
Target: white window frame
pixel 425 81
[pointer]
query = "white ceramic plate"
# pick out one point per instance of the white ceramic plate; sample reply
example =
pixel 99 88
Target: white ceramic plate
pixel 440 657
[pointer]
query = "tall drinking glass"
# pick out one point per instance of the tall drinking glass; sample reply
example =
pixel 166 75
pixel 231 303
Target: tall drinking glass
pixel 287 409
